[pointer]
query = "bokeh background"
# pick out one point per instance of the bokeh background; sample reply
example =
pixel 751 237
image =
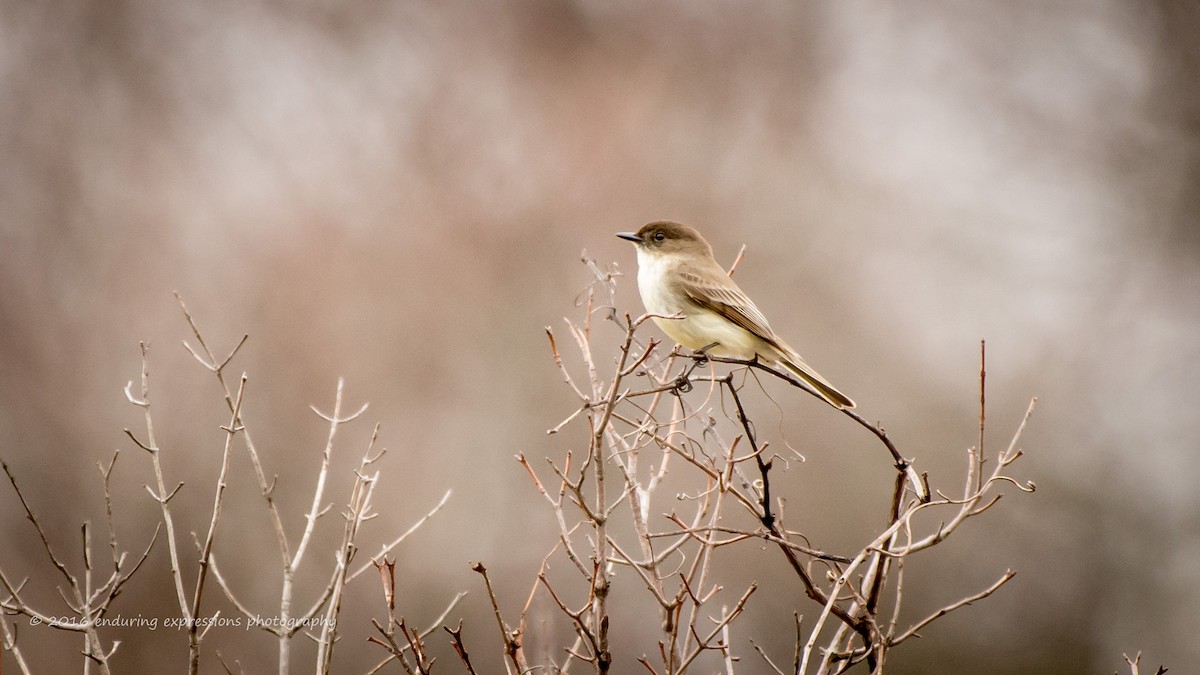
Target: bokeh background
pixel 399 193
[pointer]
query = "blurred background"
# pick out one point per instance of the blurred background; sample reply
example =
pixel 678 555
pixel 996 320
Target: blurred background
pixel 399 194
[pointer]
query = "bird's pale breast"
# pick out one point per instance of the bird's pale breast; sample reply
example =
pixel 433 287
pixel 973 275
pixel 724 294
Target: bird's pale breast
pixel 699 327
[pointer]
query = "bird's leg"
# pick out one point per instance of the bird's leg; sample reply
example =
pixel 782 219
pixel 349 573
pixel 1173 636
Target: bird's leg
pixel 683 383
pixel 701 355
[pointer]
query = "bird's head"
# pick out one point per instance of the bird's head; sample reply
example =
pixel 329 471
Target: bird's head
pixel 665 237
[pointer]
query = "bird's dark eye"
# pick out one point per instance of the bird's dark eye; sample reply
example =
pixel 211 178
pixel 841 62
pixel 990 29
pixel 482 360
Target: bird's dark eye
pixel 659 236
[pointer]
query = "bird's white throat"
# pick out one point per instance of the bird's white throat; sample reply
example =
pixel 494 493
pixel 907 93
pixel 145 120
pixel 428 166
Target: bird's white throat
pixel 652 284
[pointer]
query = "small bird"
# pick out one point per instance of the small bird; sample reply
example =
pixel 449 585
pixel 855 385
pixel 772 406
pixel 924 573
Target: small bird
pixel 679 277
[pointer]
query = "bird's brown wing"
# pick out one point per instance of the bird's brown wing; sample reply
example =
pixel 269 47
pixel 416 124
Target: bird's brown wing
pixel 725 298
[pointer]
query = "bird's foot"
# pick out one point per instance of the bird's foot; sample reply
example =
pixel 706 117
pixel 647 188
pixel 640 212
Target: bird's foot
pixel 701 355
pixel 682 385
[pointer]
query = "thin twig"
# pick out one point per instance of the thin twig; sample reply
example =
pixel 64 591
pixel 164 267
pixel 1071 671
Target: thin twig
pixel 914 630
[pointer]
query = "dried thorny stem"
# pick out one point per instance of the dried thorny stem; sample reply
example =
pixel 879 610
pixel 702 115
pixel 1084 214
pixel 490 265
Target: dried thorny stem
pixel 410 643
pixel 459 647
pixel 287 621
pixel 886 547
pixel 642 412
pixel 637 414
pixel 1135 667
pixel 205 356
pixel 288 624
pixel 161 496
pixel 677 573
pixel 358 511
pixel 439 622
pixel 88 601
pixel 768 522
pixel 918 484
pixel 9 635
pixel 513 650
pixel 194 634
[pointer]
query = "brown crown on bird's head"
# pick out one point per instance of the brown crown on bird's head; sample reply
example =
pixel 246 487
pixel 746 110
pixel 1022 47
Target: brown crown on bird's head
pixel 667 237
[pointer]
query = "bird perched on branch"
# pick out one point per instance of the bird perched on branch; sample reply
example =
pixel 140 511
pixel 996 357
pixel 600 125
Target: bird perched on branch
pixel 697 305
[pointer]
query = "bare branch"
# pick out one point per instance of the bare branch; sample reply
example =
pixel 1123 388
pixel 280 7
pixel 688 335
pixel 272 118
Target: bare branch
pixel 511 638
pixel 913 631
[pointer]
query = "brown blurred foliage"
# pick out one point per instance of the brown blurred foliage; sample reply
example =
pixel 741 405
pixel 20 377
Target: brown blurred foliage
pixel 398 193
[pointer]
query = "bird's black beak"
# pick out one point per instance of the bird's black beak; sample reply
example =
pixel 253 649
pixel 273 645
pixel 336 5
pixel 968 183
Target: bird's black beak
pixel 631 236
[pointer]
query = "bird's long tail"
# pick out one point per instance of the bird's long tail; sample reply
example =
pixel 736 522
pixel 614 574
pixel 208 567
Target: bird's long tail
pixel 805 372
